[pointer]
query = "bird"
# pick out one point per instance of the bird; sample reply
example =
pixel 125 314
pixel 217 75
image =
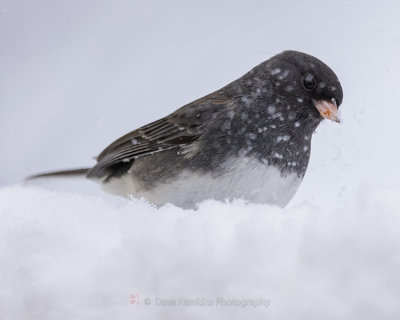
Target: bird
pixel 250 139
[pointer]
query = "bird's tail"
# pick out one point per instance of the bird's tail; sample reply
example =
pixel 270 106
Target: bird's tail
pixel 62 173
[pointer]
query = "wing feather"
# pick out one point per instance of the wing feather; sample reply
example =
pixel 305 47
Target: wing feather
pixel 159 136
pixel 175 131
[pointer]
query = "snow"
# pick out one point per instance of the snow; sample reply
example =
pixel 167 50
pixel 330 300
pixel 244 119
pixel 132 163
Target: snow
pixel 70 255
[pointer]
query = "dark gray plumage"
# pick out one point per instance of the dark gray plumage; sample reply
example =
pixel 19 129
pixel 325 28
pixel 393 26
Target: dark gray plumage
pixel 268 115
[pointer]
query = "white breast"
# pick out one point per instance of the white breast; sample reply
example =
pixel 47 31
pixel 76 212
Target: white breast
pixel 244 178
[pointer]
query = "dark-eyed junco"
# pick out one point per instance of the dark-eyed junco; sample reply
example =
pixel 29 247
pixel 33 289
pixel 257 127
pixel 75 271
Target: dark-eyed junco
pixel 251 139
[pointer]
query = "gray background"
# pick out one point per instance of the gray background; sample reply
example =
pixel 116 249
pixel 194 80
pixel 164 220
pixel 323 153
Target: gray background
pixel 75 75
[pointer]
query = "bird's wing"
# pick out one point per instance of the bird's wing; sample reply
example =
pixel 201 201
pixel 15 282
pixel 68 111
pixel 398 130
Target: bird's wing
pixel 177 130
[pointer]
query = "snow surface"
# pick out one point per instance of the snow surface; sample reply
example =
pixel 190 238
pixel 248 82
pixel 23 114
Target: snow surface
pixel 67 255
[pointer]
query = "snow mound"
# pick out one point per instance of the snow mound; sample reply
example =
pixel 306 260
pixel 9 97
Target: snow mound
pixel 71 256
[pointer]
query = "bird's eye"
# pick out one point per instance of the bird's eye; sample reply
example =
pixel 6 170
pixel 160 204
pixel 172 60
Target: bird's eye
pixel 309 82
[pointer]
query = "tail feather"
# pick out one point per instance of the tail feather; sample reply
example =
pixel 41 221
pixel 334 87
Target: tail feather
pixel 62 173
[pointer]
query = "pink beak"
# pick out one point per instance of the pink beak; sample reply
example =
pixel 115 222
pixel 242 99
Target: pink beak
pixel 327 109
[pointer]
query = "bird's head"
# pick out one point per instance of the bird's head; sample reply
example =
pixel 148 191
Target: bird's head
pixel 307 83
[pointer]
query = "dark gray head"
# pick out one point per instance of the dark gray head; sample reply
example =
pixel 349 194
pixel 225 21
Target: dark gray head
pixel 303 80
